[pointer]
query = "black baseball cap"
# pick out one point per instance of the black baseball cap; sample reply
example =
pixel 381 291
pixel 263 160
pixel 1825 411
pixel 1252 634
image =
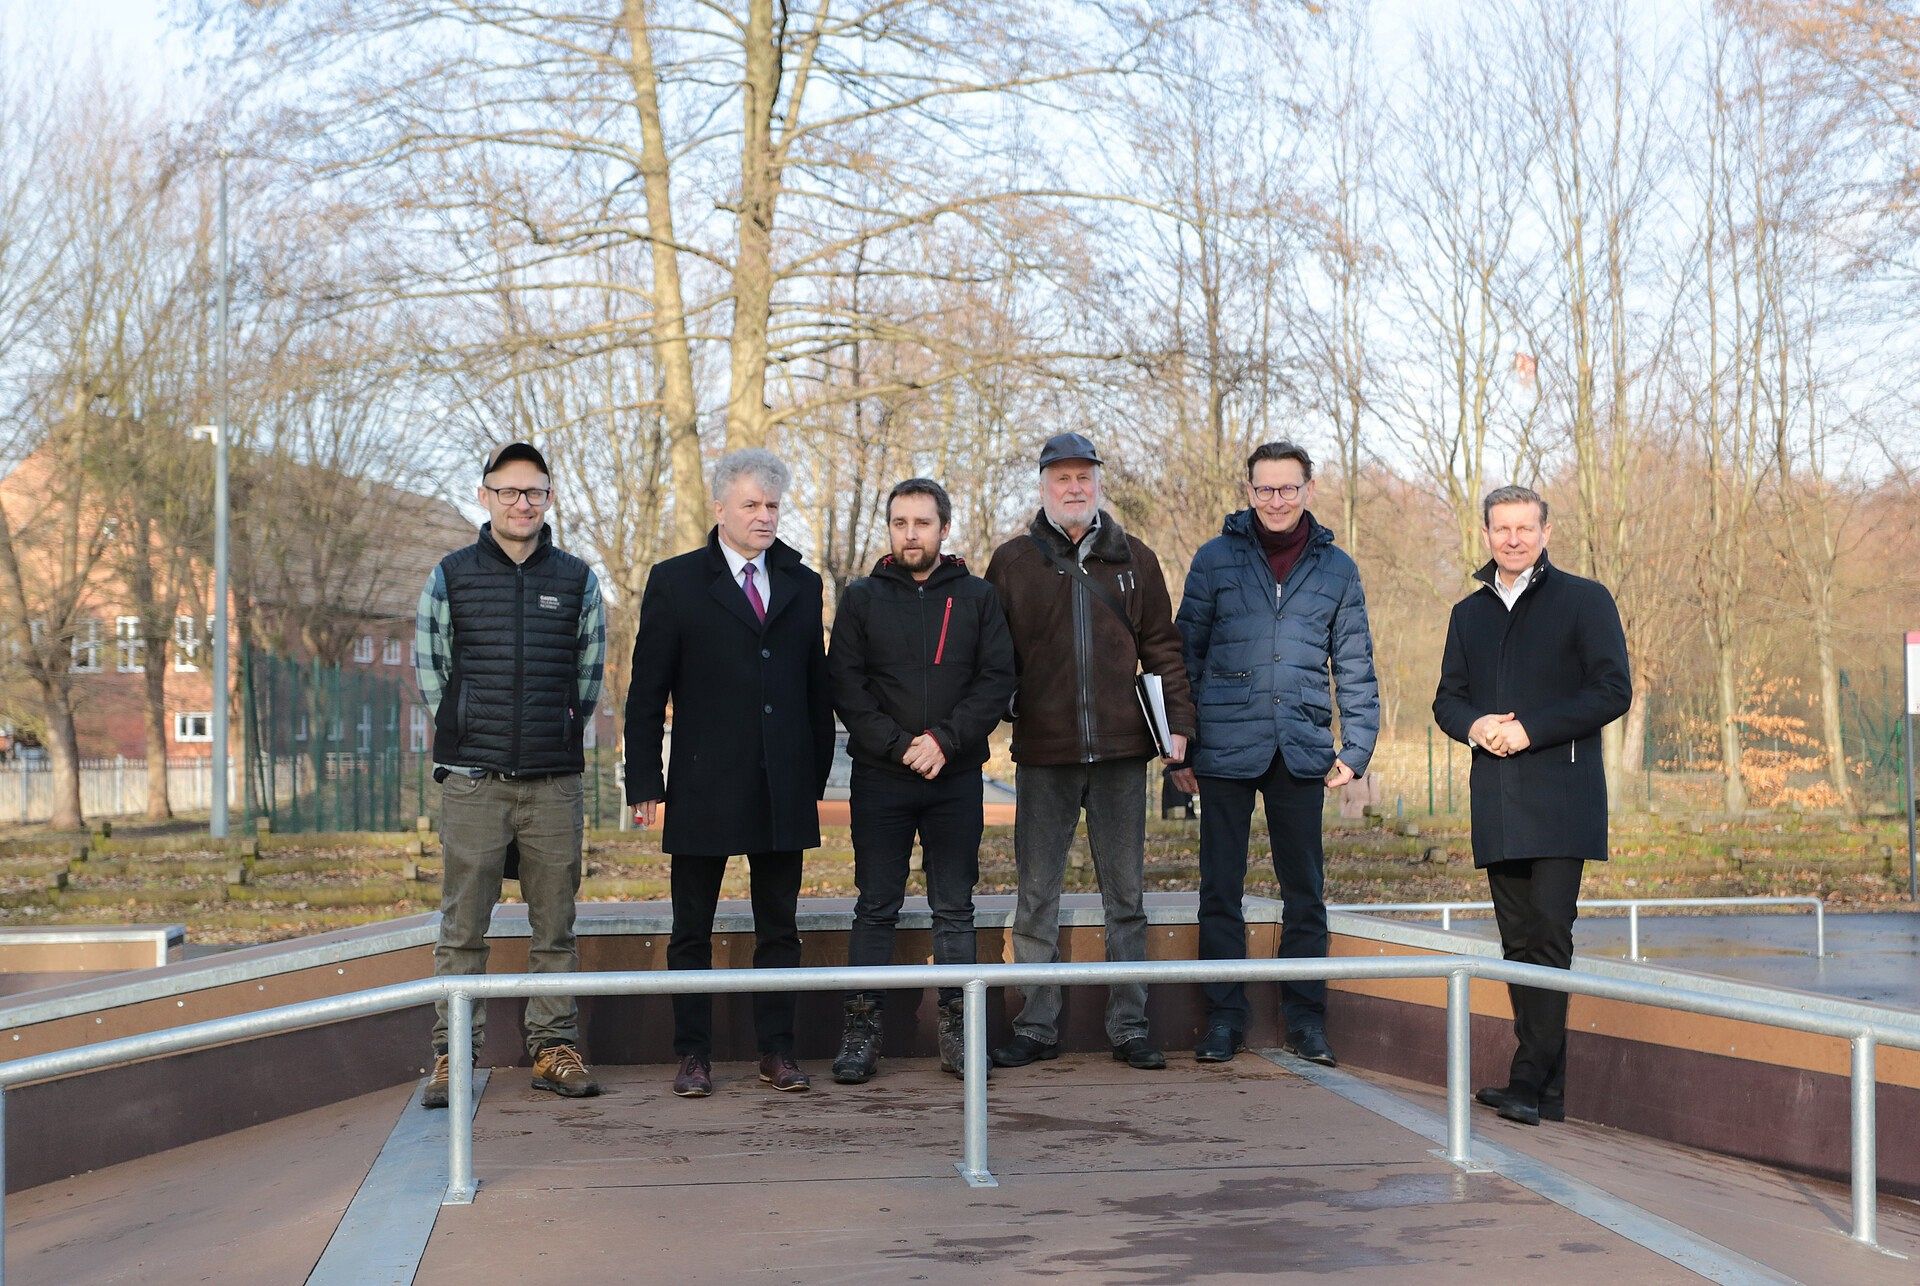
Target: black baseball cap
pixel 1067 446
pixel 515 451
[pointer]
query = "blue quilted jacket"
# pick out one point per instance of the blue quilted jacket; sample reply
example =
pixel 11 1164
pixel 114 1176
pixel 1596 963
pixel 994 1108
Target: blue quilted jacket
pixel 1259 656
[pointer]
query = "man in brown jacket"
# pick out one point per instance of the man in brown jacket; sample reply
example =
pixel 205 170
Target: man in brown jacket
pixel 1088 609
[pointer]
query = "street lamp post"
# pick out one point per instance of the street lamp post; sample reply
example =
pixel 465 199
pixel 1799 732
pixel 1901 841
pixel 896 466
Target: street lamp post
pixel 217 824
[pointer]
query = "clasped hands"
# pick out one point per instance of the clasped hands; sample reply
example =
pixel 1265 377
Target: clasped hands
pixel 924 756
pixel 1499 734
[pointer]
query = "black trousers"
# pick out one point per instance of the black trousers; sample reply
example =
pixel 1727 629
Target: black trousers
pixel 1534 900
pixel 1299 863
pixel 696 893
pixel 888 811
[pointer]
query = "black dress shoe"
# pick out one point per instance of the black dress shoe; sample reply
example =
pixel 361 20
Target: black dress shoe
pixel 1514 1102
pixel 1311 1044
pixel 1219 1045
pixel 1553 1109
pixel 1139 1052
pixel 1021 1050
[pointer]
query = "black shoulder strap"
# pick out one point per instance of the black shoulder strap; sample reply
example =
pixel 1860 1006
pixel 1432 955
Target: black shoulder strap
pixel 1074 568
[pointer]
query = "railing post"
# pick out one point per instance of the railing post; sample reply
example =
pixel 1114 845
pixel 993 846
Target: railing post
pixel 1633 931
pixel 1459 1068
pixel 1866 1158
pixel 3 1185
pixel 973 1018
pixel 1446 919
pixel 460 1182
pixel 1819 930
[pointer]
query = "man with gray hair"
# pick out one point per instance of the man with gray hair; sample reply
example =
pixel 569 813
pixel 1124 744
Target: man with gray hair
pixel 731 635
pixel 1535 666
pixel 1088 608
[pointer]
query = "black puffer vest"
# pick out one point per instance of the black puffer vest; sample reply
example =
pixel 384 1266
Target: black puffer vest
pixel 510 705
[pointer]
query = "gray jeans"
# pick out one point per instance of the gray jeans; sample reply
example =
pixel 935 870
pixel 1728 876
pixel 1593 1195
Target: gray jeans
pixel 479 817
pixel 1049 800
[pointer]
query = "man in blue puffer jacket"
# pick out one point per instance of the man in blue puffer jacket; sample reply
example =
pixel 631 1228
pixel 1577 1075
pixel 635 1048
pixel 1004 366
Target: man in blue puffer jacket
pixel 1272 611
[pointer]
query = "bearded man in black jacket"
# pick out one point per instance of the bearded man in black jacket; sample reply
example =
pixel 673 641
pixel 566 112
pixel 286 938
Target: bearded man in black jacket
pixel 1535 666
pixel 922 668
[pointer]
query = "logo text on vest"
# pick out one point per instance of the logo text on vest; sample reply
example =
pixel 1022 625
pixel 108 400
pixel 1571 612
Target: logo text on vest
pixel 550 602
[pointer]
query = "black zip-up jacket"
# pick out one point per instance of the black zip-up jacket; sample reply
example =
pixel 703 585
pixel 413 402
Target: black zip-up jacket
pixel 911 656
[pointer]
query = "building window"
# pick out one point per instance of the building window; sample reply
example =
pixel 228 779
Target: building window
pixel 390 652
pixel 417 731
pixel 85 647
pixel 413 654
pixel 590 735
pixel 335 730
pixel 186 643
pixel 301 727
pixel 129 645
pixel 197 726
pixel 363 649
pixel 36 632
pixel 365 727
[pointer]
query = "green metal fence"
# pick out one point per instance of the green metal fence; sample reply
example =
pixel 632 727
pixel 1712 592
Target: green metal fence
pixel 346 748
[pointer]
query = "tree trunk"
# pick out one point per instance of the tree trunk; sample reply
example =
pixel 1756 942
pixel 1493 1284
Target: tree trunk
pixel 63 755
pixel 675 354
pixel 1830 731
pixel 747 419
pixel 1727 689
pixel 159 800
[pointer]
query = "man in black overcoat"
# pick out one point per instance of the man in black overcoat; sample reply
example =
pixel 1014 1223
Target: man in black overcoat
pixel 1535 666
pixel 731 635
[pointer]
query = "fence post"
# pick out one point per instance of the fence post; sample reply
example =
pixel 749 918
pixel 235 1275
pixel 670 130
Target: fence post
pixel 1865 1144
pixel 1459 1068
pixel 1633 932
pixel 1819 930
pixel 1430 770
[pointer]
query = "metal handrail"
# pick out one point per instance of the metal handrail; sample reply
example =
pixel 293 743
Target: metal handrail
pixel 1632 905
pixel 460 992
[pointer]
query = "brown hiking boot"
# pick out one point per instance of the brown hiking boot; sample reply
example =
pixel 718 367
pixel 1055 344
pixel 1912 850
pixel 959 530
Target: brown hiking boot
pixel 435 1095
pixel 558 1068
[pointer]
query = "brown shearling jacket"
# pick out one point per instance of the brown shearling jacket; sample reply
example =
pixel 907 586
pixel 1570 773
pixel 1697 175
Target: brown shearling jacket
pixel 1075 703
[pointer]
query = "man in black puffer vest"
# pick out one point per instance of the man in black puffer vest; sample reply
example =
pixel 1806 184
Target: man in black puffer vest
pixel 922 668
pixel 510 650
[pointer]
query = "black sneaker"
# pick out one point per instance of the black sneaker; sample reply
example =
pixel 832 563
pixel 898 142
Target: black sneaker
pixel 1023 1049
pixel 1219 1045
pixel 1139 1052
pixel 1311 1044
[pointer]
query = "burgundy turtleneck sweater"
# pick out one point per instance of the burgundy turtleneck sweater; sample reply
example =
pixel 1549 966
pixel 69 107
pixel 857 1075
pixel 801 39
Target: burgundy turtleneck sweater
pixel 1283 548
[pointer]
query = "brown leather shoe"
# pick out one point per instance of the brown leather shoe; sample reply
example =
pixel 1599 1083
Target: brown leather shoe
pixel 695 1078
pixel 558 1068
pixel 780 1071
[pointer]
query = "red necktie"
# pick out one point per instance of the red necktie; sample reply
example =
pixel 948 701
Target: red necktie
pixel 753 595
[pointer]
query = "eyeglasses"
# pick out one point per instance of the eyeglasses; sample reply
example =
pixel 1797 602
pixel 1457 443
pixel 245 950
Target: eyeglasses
pixel 1288 492
pixel 536 496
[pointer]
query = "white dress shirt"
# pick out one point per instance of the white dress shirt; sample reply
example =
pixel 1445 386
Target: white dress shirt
pixel 737 562
pixel 1512 596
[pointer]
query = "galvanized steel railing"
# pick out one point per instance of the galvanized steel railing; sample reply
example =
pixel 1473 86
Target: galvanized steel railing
pixel 1446 909
pixel 1865 1035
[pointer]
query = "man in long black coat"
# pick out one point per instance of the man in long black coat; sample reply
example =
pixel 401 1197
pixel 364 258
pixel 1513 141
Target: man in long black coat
pixel 731 634
pixel 1535 666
